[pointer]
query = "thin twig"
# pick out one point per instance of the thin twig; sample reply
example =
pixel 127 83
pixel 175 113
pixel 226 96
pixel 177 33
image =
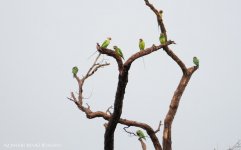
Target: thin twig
pixel 131 133
pixel 105 125
pixel 88 106
pixel 108 110
pixel 96 67
pixel 159 126
pixel 93 64
pixel 71 99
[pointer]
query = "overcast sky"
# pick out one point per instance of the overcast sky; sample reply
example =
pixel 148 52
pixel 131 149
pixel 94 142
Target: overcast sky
pixel 41 40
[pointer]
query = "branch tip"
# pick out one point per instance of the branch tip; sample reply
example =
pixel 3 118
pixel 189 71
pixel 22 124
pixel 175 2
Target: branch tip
pixel 159 126
pixel 131 133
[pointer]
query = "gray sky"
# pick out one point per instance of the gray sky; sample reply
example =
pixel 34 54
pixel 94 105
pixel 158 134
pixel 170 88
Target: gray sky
pixel 40 42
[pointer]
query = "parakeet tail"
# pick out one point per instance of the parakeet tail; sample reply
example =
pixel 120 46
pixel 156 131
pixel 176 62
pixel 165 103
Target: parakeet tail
pixel 143 62
pixel 92 55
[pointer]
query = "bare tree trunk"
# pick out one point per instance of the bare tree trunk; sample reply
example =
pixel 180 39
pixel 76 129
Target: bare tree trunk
pixel 167 139
pixel 109 133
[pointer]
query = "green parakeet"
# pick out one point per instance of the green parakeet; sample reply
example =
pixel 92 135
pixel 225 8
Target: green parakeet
pixel 141 44
pixel 162 39
pixel 75 70
pixel 118 51
pixel 142 47
pixel 106 43
pixel 140 134
pixel 196 61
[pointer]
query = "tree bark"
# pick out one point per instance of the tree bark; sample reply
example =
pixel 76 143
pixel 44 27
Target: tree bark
pixel 119 97
pixel 167 139
pixel 118 105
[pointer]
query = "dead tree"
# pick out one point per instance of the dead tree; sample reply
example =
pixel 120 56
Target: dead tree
pixel 123 68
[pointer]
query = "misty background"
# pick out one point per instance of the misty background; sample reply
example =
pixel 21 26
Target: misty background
pixel 41 40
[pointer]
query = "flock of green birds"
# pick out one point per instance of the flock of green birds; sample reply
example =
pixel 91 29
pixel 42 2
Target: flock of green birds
pixel 119 53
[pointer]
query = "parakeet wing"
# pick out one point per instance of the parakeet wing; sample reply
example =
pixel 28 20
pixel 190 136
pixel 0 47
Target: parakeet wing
pixel 105 43
pixel 120 52
pixel 162 39
pixel 75 70
pixel 196 61
pixel 142 45
pixel 140 134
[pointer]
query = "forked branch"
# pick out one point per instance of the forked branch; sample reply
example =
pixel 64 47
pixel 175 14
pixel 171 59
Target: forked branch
pixel 107 115
pixel 120 92
pixel 187 73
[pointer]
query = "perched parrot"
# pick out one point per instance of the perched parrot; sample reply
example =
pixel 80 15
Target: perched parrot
pixel 106 43
pixel 103 45
pixel 196 61
pixel 140 134
pixel 142 47
pixel 118 51
pixel 75 70
pixel 141 44
pixel 160 13
pixel 162 39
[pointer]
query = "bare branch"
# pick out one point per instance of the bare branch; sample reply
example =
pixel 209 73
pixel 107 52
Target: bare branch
pixel 88 72
pixel 131 133
pixel 187 73
pixel 174 106
pixel 175 58
pixel 96 67
pixel 163 30
pixel 146 52
pixel 159 18
pixel 119 96
pixel 105 125
pixel 91 115
pixel 143 145
pixel 159 126
pixel 88 106
pixel 71 99
pixel 108 110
